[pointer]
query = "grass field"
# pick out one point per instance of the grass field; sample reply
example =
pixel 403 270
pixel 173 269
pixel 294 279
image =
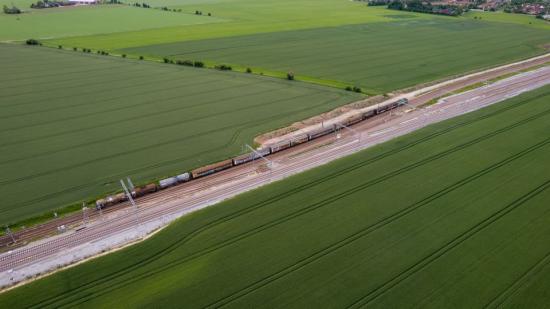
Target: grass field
pixel 241 17
pixel 78 21
pixel 379 57
pixel 72 124
pixel 456 213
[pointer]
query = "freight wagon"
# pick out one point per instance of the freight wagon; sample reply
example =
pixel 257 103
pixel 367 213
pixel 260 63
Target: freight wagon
pixel 212 168
pixel 216 167
pixel 111 200
pixel 390 106
pixel 280 146
pixel 251 156
pixel 144 190
pixel 353 120
pixel 321 132
pixel 369 114
pixel 300 139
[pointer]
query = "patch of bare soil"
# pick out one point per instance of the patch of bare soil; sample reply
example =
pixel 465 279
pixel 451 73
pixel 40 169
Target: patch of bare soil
pixel 260 140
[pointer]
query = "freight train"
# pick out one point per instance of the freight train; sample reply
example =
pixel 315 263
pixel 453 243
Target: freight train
pixel 245 158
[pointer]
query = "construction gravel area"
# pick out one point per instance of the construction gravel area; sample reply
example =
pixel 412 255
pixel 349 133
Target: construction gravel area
pixel 125 226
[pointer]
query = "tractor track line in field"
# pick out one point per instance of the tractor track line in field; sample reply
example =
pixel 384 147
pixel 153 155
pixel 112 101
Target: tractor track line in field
pixel 190 120
pixel 424 262
pixel 171 247
pixel 505 295
pixel 238 128
pixel 174 140
pixel 338 196
pixel 369 229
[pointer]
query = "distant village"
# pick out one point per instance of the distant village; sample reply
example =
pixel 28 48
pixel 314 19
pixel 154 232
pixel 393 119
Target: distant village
pixel 538 8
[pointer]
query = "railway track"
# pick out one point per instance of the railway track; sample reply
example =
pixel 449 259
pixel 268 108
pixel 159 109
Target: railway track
pixel 208 190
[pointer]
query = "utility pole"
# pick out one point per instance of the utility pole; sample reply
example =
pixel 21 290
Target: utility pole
pixel 130 184
pixel 353 131
pixel 269 163
pixel 8 231
pixel 129 196
pixel 84 214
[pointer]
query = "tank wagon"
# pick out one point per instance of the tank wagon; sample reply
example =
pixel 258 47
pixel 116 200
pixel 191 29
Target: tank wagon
pixel 245 158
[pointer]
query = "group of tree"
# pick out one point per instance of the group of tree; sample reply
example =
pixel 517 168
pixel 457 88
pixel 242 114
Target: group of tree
pixel 354 89
pixel 290 75
pixel 223 67
pixel 32 42
pixel 11 10
pixel 425 7
pixel 378 2
pixel 189 63
pixel 200 13
pixel 48 4
pixel 165 8
pixel 141 5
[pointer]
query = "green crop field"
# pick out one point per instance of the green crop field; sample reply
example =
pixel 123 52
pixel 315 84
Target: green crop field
pixel 72 124
pixel 77 21
pixel 453 214
pixel 379 57
pixel 241 17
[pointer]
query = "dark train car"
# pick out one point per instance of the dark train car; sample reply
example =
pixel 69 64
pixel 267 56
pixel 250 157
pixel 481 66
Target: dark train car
pixel 212 168
pixel 387 107
pixel 369 114
pixel 300 139
pixel 279 146
pixel 247 157
pixel 144 190
pixel 321 132
pixel 111 200
pixel 353 120
pixel 390 106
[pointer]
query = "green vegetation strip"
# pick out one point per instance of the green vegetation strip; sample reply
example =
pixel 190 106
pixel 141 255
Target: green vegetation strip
pixel 481 84
pixel 377 57
pixel 74 123
pixel 427 220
